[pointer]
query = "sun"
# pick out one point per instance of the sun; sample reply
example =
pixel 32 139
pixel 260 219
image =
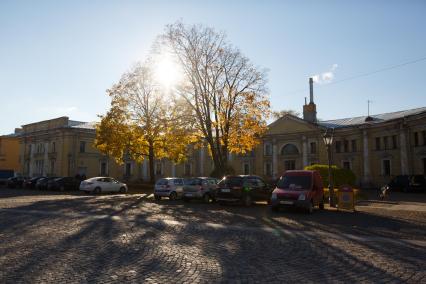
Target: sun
pixel 167 71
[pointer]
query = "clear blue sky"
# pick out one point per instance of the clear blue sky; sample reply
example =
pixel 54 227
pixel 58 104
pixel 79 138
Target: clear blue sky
pixel 58 57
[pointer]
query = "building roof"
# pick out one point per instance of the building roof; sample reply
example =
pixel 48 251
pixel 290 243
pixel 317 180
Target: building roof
pixel 372 119
pixel 82 124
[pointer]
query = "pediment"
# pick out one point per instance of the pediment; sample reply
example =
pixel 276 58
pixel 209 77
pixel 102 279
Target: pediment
pixel 290 124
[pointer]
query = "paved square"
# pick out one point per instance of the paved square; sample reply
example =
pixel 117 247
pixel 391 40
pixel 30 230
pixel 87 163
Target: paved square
pixel 69 238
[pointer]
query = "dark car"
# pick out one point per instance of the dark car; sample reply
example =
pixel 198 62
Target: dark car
pixel 42 183
pixel 63 183
pixel 15 182
pixel 408 183
pixel 203 188
pixel 298 188
pixel 31 183
pixel 244 189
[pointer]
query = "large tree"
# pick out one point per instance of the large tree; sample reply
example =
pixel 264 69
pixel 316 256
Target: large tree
pixel 143 122
pixel 226 92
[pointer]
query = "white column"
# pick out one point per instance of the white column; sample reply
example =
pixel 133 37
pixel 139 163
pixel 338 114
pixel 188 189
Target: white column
pixel 403 147
pixel 304 151
pixel 366 157
pixel 274 159
pixel 202 149
pixel 46 159
pixel 145 169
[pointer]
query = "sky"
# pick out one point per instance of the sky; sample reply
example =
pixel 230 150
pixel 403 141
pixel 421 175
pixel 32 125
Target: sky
pixel 58 58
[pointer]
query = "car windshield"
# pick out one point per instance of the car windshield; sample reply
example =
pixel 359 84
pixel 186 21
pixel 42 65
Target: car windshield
pixel 195 181
pixel 294 182
pixel 231 181
pixel 162 182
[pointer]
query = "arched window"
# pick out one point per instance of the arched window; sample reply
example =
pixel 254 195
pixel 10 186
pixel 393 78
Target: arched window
pixel 289 149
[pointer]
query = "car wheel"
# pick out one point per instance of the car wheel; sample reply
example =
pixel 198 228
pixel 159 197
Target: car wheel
pixel 173 196
pixel 97 190
pixel 247 200
pixel 62 188
pixel 122 189
pixel 405 189
pixel 206 198
pixel 186 199
pixel 274 208
pixel 310 208
pixel 157 198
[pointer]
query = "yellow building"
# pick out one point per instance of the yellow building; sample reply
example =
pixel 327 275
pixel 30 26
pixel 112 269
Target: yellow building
pixel 9 152
pixel 375 147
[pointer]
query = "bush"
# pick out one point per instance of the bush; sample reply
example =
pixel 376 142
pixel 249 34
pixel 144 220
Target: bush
pixel 339 176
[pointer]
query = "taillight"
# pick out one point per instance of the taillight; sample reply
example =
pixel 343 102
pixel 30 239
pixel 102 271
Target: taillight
pixel 236 187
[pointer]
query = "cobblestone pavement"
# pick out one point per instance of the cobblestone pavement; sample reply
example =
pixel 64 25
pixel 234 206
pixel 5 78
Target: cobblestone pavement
pixel 61 238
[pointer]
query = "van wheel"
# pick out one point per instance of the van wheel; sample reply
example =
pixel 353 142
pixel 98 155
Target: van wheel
pixel 321 205
pixel 310 208
pixel 173 196
pixel 206 198
pixel 247 200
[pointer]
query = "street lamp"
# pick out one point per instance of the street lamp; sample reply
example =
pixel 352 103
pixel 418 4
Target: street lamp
pixel 328 141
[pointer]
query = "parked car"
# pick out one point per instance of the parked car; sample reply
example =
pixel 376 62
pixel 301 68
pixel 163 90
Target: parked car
pixel 200 188
pixel 41 183
pixel 408 183
pixel 299 188
pixel 169 187
pixel 63 183
pixel 102 184
pixel 31 183
pixel 15 182
pixel 243 188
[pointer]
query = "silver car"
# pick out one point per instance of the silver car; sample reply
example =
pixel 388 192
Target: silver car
pixel 204 188
pixel 169 187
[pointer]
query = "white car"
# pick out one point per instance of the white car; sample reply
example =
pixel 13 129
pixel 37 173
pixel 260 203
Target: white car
pixel 102 184
pixel 168 187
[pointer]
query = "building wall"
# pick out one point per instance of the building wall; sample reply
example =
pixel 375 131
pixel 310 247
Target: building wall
pixel 9 153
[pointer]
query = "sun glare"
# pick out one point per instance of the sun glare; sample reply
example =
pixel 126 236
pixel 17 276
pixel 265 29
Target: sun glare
pixel 167 71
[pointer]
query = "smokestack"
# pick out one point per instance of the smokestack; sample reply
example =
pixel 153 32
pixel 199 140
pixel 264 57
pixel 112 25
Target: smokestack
pixel 305 101
pixel 310 110
pixel 311 90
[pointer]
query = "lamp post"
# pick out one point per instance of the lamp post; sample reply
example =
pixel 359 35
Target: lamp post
pixel 328 141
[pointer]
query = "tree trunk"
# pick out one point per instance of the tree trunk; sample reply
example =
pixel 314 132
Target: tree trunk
pixel 151 159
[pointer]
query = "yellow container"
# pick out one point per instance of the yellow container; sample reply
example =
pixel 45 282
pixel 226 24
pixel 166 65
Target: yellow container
pixel 345 196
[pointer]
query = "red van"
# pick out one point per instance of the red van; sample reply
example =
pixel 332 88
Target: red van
pixel 299 189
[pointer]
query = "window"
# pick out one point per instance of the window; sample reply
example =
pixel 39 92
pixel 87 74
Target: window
pixel 290 165
pixel 386 167
pixel 394 143
pixel 178 181
pixel 424 166
pixel 103 171
pixel 377 143
pixel 313 147
pixel 128 171
pixel 416 139
pixel 346 165
pixel 187 170
pixel 289 149
pixel 53 147
pixel 246 168
pixel 338 146
pixel 346 146
pixel 386 142
pixel 268 169
pixel 52 166
pixel 158 169
pixel 353 142
pixel 82 146
pixel 268 149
